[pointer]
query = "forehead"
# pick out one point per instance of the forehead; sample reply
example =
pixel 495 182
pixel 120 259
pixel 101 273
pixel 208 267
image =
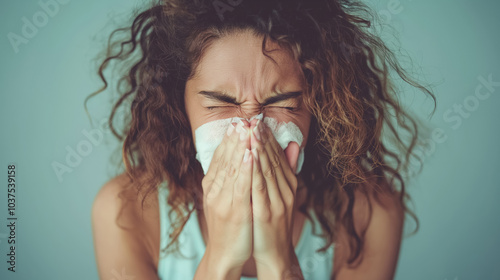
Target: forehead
pixel 237 65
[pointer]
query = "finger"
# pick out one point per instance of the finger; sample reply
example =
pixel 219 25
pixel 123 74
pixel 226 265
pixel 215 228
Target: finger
pixel 267 172
pixel 260 196
pixel 216 158
pixel 221 160
pixel 292 155
pixel 271 142
pixel 243 183
pixel 236 153
pixel 285 188
pixel 279 161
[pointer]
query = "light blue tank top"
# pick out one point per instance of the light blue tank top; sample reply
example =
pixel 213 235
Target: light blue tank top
pixel 172 266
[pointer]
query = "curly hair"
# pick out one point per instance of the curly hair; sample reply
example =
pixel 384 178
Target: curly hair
pixel 350 94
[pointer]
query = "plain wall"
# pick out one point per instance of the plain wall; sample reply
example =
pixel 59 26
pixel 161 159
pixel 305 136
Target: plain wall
pixel 452 43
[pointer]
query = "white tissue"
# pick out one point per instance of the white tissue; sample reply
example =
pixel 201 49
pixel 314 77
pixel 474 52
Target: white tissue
pixel 209 136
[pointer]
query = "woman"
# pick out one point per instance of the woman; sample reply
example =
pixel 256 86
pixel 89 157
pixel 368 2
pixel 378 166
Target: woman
pixel 255 214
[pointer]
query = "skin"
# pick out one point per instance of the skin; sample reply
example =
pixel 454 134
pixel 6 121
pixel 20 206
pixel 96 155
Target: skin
pixel 263 225
pixel 235 66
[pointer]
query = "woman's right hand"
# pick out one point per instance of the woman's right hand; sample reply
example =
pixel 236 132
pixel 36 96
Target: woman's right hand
pixel 226 204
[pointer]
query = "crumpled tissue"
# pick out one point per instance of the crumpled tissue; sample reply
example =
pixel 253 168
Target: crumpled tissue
pixel 209 136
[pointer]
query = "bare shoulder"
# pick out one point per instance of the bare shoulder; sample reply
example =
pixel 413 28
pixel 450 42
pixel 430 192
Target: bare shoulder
pixel 117 199
pixel 382 233
pixel 124 230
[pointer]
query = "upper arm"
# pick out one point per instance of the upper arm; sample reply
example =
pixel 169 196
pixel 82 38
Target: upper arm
pixel 382 241
pixel 120 252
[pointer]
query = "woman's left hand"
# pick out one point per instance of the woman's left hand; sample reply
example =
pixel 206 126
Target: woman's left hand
pixel 274 186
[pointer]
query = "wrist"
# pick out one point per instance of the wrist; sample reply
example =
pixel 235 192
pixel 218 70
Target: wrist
pixel 280 268
pixel 213 266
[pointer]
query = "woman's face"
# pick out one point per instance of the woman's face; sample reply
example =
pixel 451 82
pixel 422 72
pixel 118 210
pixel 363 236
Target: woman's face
pixel 237 80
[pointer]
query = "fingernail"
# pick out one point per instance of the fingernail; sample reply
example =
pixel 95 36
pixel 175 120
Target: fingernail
pixel 239 127
pixel 256 131
pixel 254 153
pixel 230 129
pixel 247 155
pixel 241 122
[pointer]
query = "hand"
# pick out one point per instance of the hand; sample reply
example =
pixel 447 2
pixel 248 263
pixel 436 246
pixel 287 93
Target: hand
pixel 274 186
pixel 226 200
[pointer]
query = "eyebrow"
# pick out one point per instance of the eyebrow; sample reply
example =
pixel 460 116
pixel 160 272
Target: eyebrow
pixel 221 96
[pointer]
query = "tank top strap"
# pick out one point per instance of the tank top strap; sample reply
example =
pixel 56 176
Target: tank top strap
pixel 164 219
pixel 314 265
pixel 190 245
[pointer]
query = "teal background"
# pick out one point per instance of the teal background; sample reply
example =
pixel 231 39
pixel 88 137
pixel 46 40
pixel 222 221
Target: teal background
pixel 43 86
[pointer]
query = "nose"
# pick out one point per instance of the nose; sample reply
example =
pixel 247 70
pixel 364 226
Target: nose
pixel 247 123
pixel 250 118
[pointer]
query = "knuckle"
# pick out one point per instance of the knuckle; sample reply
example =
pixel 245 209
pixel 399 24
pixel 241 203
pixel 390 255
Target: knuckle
pixel 217 157
pixel 275 160
pixel 217 183
pixel 209 200
pixel 260 186
pixel 219 151
pixel 260 148
pixel 293 183
pixel 230 170
pixel 288 198
pixel 263 214
pixel 257 168
pixel 269 172
pixel 224 164
pixel 212 167
pixel 279 210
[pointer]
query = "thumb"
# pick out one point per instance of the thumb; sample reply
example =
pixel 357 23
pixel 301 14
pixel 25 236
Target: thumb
pixel 292 155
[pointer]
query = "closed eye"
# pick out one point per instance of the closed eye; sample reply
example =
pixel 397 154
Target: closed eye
pixel 211 108
pixel 291 109
pixel 286 108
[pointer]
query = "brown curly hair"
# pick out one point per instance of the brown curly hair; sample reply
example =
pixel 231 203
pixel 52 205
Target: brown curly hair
pixel 350 95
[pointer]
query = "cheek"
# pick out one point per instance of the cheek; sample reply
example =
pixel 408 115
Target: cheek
pixel 194 115
pixel 301 118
